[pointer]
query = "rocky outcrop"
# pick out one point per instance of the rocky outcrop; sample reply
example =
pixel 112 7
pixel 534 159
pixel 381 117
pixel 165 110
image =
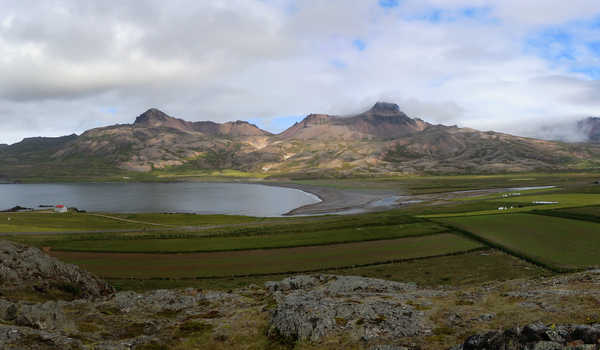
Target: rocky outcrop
pixel 590 127
pixel 127 320
pixel 313 307
pixel 537 336
pixel 27 267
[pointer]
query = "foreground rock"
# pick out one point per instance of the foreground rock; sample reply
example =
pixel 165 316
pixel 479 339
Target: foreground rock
pixel 537 336
pixel 23 267
pixel 312 307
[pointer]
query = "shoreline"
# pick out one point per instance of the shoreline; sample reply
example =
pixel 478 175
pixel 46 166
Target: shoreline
pixel 334 200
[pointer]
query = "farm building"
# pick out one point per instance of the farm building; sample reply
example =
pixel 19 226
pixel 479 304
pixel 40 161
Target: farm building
pixel 60 209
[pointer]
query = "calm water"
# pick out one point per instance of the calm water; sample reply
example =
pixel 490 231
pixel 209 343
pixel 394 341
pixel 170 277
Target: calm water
pixel 204 198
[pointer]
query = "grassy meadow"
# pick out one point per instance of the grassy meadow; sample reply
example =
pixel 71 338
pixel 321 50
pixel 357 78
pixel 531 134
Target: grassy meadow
pixel 559 242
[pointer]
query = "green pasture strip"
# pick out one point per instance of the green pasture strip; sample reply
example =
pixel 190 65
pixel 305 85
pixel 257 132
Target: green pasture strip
pixel 591 213
pixel 565 200
pixel 181 219
pixel 54 222
pixel 557 243
pixel 208 244
pixel 304 225
pixel 284 260
pixel 498 195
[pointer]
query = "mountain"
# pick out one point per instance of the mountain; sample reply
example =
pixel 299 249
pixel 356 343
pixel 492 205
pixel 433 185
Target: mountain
pixel 381 140
pixel 154 118
pixel 590 127
pixel 382 121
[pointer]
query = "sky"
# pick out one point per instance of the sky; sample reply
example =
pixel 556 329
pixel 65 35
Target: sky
pixel 526 67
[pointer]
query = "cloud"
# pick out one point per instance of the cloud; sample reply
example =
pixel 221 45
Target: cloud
pixel 506 65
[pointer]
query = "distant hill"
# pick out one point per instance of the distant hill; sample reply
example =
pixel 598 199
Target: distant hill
pixel 380 140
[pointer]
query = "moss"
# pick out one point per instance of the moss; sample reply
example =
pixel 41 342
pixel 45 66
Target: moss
pixel 443 331
pixel 88 327
pixel 152 346
pixel 193 328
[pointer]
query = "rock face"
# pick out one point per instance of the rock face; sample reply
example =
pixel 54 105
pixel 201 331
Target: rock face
pixel 590 127
pixel 536 336
pixel 310 308
pixel 22 267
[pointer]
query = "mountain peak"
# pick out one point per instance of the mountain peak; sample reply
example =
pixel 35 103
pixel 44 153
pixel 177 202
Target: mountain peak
pixel 385 108
pixel 152 116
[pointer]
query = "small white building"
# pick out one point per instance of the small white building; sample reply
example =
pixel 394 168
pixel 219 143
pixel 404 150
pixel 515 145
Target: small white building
pixel 60 209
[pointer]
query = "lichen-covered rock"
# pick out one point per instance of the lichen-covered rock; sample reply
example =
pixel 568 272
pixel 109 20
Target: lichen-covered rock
pixel 536 336
pixel 13 337
pixel 22 266
pixel 310 308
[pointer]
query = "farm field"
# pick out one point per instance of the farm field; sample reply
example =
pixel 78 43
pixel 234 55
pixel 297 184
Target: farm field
pixel 452 270
pixel 72 221
pixel 54 222
pixel 263 241
pixel 557 242
pixel 591 213
pixel 182 219
pixel 192 265
pixel 519 204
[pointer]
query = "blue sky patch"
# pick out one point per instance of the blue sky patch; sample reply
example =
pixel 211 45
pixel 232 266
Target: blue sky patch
pixel 553 44
pixel 339 64
pixel 109 110
pixel 276 124
pixel 359 44
pixel 389 3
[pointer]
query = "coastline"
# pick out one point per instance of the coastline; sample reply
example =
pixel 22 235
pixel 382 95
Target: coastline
pixel 334 200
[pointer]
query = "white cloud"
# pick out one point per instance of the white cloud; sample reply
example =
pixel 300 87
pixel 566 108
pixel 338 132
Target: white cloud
pixel 63 63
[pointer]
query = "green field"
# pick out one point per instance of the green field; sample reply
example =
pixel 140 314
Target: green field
pixel 520 204
pixel 268 261
pixel 208 244
pixel 557 242
pixel 583 213
pixel 453 270
pixel 53 222
pixel 181 219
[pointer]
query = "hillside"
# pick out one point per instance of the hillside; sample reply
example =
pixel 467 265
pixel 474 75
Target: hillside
pixel 380 140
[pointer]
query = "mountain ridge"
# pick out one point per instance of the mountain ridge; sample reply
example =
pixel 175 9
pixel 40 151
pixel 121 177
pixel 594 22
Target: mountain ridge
pixel 381 140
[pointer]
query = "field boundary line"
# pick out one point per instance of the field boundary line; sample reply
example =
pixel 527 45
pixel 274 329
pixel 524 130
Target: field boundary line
pixel 387 262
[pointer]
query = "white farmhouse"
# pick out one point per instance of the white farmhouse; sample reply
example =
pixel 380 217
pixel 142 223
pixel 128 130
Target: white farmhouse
pixel 60 209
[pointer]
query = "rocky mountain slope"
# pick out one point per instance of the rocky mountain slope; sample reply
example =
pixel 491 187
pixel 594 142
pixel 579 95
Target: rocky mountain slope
pixel 380 140
pixel 307 312
pixel 590 127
